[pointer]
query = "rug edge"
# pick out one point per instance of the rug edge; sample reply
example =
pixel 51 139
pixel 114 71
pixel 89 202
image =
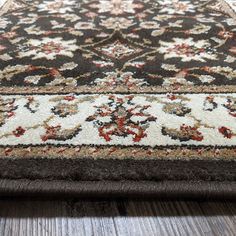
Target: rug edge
pixel 117 170
pixel 178 190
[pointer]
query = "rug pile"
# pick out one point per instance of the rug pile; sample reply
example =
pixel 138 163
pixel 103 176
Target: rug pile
pixel 118 98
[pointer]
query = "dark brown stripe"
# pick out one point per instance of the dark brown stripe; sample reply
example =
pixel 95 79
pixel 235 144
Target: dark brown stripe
pixel 118 170
pixel 118 189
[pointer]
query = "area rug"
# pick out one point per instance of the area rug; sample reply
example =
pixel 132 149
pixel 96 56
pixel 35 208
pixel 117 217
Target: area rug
pixel 106 98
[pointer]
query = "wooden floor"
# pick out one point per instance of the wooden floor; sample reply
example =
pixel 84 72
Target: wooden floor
pixel 61 218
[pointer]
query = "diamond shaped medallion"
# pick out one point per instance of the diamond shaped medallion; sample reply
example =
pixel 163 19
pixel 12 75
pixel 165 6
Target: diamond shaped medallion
pixel 118 50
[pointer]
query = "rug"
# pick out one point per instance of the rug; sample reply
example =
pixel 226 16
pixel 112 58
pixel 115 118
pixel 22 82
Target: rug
pixel 118 98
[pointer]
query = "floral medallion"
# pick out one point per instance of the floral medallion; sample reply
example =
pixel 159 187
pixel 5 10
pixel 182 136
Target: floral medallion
pixel 118 50
pixel 48 48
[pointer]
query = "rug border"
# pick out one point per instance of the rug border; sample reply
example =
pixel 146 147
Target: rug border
pixel 178 190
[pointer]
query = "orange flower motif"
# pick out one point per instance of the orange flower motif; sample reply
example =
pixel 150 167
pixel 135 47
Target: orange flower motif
pixel 69 97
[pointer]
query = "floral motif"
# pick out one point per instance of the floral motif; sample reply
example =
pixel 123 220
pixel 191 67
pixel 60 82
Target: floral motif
pixel 19 131
pixel 126 80
pixel 231 106
pixel 149 25
pixel 226 132
pixel 64 110
pixel 49 48
pixel 57 133
pixel 57 6
pixel 176 108
pixel 176 6
pixel 209 103
pixel 118 50
pixel 116 7
pixel 124 119
pixel 117 23
pixel 206 79
pixel 185 133
pixel 187 50
pixel 84 25
pixel 10 71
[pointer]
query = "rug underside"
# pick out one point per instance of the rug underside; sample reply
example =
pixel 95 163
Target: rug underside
pixel 118 98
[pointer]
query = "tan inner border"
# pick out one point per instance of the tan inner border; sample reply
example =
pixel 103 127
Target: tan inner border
pixel 122 153
pixel 119 89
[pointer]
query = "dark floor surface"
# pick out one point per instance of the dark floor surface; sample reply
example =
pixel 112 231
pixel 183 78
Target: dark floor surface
pixel 74 218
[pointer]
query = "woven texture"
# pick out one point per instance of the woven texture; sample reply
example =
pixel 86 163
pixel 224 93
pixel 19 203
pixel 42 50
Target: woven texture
pixel 118 90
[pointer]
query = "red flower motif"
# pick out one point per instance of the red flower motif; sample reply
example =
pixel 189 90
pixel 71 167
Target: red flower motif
pixel 171 96
pixel 69 97
pixel 226 132
pixel 121 122
pixel 19 131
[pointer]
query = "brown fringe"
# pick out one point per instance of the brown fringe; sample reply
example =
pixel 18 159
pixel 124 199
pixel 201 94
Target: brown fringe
pixel 179 190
